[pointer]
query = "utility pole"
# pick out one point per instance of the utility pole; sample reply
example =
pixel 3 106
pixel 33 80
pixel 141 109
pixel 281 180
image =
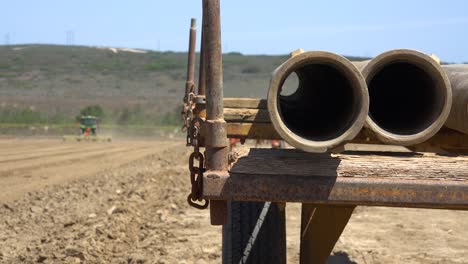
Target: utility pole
pixel 70 37
pixel 7 39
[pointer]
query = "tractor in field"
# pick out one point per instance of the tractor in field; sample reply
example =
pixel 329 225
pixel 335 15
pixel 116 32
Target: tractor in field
pixel 88 125
pixel 88 131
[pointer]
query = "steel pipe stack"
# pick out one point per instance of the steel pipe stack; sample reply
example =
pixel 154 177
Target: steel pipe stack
pixel 404 97
pixel 329 106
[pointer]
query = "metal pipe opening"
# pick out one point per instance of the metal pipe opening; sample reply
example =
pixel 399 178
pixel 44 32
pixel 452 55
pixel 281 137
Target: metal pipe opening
pixel 409 96
pixel 329 106
pixel 324 104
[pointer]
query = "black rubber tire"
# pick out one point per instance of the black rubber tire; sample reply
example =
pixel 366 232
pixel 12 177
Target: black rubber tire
pixel 269 245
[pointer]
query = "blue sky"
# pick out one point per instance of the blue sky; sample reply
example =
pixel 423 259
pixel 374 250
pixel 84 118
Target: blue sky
pixel 361 28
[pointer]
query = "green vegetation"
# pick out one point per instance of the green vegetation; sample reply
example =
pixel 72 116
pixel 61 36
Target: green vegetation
pixel 251 69
pixel 135 116
pixel 21 116
pixel 164 64
pixel 52 84
pixel 27 116
pixel 138 116
pixel 91 110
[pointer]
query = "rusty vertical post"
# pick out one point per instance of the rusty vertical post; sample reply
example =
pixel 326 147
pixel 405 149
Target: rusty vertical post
pixel 202 67
pixel 321 226
pixel 189 84
pixel 216 139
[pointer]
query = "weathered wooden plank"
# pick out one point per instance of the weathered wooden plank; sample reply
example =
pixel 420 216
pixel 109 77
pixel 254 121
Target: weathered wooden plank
pixel 243 115
pixel 237 115
pixel 252 103
pixel 292 176
pixel 248 118
pixel 254 110
pixel 252 131
pixel 398 165
pixel 446 141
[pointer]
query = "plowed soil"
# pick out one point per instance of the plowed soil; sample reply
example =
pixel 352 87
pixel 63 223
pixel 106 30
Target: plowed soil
pixel 124 202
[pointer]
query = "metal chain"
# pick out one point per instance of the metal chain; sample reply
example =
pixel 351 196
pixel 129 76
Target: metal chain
pixel 187 112
pixel 192 126
pixel 196 172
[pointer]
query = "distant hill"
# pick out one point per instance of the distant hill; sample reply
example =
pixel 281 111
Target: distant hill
pixel 58 81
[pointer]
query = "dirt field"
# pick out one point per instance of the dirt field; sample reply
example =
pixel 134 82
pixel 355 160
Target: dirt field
pixel 124 202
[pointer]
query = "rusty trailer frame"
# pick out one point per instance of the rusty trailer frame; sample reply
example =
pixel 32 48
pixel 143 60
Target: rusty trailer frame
pixel 328 186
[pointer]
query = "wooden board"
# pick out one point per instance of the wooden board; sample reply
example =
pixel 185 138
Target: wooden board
pixel 399 179
pixel 360 165
pixel 238 115
pixel 252 103
pixel 248 118
pixel 249 103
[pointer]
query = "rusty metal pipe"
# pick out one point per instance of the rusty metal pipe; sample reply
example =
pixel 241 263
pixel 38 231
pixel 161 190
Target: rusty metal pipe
pixel 202 67
pixel 410 96
pixel 214 64
pixel 329 106
pixel 189 84
pixel 216 138
pixel 458 76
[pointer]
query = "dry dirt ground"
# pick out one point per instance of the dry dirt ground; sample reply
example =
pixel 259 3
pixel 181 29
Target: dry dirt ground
pixel 124 202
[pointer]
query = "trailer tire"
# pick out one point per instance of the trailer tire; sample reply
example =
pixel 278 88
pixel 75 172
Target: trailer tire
pixel 255 233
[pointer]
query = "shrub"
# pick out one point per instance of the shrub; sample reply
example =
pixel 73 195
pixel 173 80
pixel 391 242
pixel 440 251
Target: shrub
pixel 235 53
pixel 251 69
pixel 93 110
pixel 21 116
